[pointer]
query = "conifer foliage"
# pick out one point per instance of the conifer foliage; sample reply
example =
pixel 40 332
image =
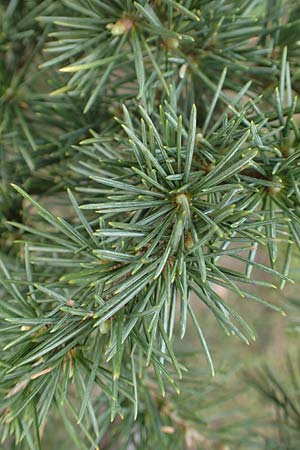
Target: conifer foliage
pixel 149 151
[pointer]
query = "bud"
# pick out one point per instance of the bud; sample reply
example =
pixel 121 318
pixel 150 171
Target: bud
pixel 188 241
pixel 274 190
pixel 172 43
pixel 104 327
pixel 122 26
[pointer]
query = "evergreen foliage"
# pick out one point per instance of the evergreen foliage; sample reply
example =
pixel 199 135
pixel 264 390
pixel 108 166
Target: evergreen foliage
pixel 150 152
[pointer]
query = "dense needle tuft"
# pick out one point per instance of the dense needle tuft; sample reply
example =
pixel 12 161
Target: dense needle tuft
pixel 150 155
